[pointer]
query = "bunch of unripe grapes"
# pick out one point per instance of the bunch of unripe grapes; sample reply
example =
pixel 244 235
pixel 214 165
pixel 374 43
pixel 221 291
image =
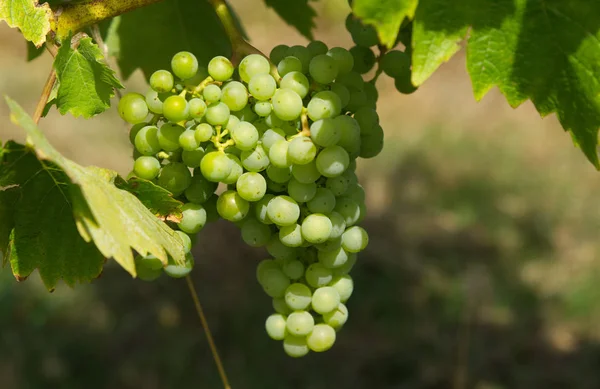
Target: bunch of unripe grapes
pixel 270 146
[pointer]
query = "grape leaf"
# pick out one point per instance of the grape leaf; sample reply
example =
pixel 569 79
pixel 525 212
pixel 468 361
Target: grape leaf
pixel 148 37
pixel 385 15
pixel 86 82
pixel 114 219
pixel 33 19
pixel 37 229
pixel 544 50
pixel 33 52
pixel 297 13
pixel 157 199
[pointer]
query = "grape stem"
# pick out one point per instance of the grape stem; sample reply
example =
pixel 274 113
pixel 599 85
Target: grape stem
pixel 198 89
pixel 382 51
pixel 219 136
pixel 41 105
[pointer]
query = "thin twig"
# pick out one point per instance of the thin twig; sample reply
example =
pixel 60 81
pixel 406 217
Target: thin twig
pixel 41 105
pixel 211 343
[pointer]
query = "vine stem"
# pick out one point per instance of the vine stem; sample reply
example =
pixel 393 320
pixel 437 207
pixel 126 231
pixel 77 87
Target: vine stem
pixel 39 109
pixel 211 343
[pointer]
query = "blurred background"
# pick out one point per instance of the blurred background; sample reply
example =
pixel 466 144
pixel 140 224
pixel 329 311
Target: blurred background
pixel 482 271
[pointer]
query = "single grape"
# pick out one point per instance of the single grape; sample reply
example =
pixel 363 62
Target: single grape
pixel 301 150
pixel 155 105
pixel 300 323
pixel 278 53
pixel 247 114
pixel 337 185
pixel 332 161
pixel 278 154
pixel 333 258
pixel 150 262
pixel 342 91
pixel 260 209
pixel 323 69
pixel 350 134
pixel 336 318
pixel 262 86
pixel 343 58
pixel 217 114
pixel 325 300
pixel 146 167
pixel 303 54
pixel 344 286
pixel 403 84
pixel 245 136
pixel 252 65
pixel 330 244
pixel 263 267
pixel 322 202
pixel 297 82
pixel 194 218
pixel 231 206
pixel 133 108
pixel 293 268
pixel 324 104
pixel 255 160
pixel 232 122
pixel 316 228
pixel 352 80
pixel 184 65
pixel 179 271
pixel 146 273
pixel 235 96
pixel 358 99
pixel 318 275
pixel 236 169
pixel 175 177
pixel 357 193
pixel 306 173
pixel 274 282
pixel 220 68
pixel 251 186
pixel 146 141
pixel 298 296
pixel 255 233
pixel 291 235
pixel 301 192
pixel 192 158
pixel 200 189
pixel 275 326
pixel 273 121
pixel 280 306
pixel 372 94
pixel 287 104
pixel 215 166
pixel 280 251
pixel 278 174
pixel 324 132
pixel 176 109
pixel 367 119
pixel 372 144
pixel 295 346
pixel 321 338
pixel 211 93
pixel 316 48
pixel 263 108
pixel 203 132
pixel 395 63
pixel 362 35
pixel 134 131
pixel 355 239
pixel 162 81
pixel 276 187
pixel 197 108
pixel 364 59
pixel 283 210
pixel 168 136
pixel 271 136
pixel 349 209
pixel 187 140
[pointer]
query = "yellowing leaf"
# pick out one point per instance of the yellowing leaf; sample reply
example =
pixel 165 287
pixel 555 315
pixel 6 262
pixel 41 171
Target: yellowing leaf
pixel 32 19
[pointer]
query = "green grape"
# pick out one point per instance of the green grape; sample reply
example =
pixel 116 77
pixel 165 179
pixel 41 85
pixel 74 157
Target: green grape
pixel 211 93
pixel 203 132
pixel 349 209
pixel 325 299
pixel 176 109
pixel 283 210
pixel 280 306
pixel 273 121
pixel 278 53
pixel 263 267
pixel 236 169
pixel 351 177
pixel 133 108
pixel 367 119
pixel 271 136
pixel 318 275
pixel 306 173
pixel 217 114
pixel 293 268
pixel 333 258
pixel 185 65
pixel 246 114
pixel 280 251
pixel 344 286
pixel 255 160
pixel 358 99
pixel 343 58
pixel 175 177
pixel 232 122
pixel 211 209
pixel 364 59
pixel 291 235
pixel 279 175
pixel 168 136
pixel 179 271
pixel 260 209
pixel 200 76
pixel 325 133
pixel 372 94
pixel 220 68
pixel 260 124
pixel 395 63
pixel 262 86
pixel 150 262
pixel 263 108
pixel 276 187
pixel 301 150
pixel 300 323
pixel 352 80
pixel 357 193
pixel 336 318
pixel 316 228
pixel 355 239
pixel 350 134
pixel 332 161
pixel 274 282
pixel 216 166
pixel 288 65
pixel 252 65
pixel 231 206
pixel 235 96
pixel 323 69
pixel 372 144
pixel 275 326
pixel 330 245
pixel 192 158
pixel 362 35
pixel 303 54
pixel 200 189
pixel 194 218
pixel 255 233
pixel 298 296
pixel 324 104
pixel 287 104
pixel 197 108
pixel 278 154
pixel 137 128
pixel 337 185
pixel 301 192
pixel 146 273
pixel 251 186
pixel 297 82
pixel 342 91
pixel 295 346
pixel 322 202
pixel 146 141
pixel 316 47
pixel 403 84
pixel 155 105
pixel 338 224
pixel 162 81
pixel 146 167
pixel 321 338
pixel 187 140
pixel 245 136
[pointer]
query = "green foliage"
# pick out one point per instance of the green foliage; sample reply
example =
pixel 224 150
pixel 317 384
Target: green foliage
pixel 113 218
pixel 157 199
pixel 86 82
pixel 297 13
pixel 33 52
pixel 546 51
pixel 385 15
pixel 33 19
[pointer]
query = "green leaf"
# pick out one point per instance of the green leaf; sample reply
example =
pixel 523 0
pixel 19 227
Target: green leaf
pixel 87 83
pixel 38 230
pixel 385 15
pixel 148 37
pixel 297 13
pixel 114 219
pixel 544 50
pixel 33 52
pixel 157 199
pixel 28 16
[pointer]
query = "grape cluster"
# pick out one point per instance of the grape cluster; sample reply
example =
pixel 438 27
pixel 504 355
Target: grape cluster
pixel 282 143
